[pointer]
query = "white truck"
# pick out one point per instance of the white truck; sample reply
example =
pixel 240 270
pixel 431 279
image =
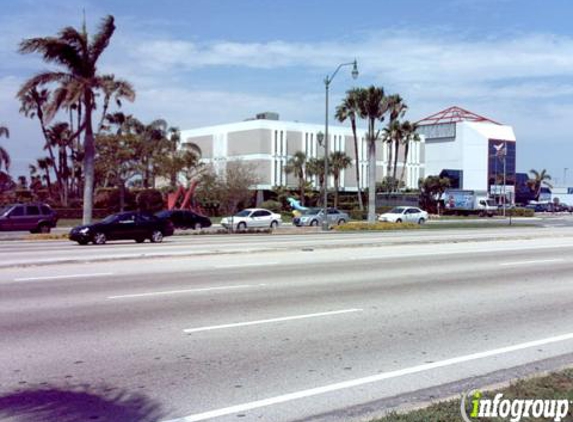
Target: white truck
pixel 466 202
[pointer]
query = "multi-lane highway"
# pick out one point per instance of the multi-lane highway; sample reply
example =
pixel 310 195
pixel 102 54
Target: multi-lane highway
pixel 277 328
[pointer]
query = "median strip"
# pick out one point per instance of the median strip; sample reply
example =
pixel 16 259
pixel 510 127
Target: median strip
pixel 268 321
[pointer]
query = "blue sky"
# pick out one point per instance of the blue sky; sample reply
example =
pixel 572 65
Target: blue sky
pixel 204 62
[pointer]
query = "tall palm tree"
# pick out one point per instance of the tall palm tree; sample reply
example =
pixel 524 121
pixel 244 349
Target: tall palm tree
pixel 409 134
pixel 348 109
pixel 397 109
pixel 315 167
pixel 77 56
pixel 537 180
pixel 296 165
pixel 391 136
pixel 339 161
pixel 116 88
pixel 45 164
pixel 372 105
pixel 4 156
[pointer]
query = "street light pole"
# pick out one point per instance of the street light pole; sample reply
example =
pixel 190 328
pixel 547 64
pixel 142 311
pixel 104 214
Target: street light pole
pixel 327 82
pixel 504 176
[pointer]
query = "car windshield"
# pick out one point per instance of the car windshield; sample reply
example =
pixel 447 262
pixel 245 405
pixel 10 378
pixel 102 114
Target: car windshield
pixel 3 210
pixel 397 210
pixel 163 214
pixel 312 211
pixel 244 213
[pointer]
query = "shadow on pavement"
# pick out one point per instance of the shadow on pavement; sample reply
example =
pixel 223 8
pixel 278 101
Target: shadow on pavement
pixel 53 404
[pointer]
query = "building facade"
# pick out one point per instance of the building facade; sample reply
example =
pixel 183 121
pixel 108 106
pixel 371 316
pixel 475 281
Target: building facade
pixel 475 152
pixel 268 143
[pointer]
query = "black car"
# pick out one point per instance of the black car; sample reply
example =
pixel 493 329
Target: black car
pixel 125 225
pixel 37 218
pixel 185 219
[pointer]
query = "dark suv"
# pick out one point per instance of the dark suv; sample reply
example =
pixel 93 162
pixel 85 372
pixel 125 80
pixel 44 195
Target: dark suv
pixel 37 218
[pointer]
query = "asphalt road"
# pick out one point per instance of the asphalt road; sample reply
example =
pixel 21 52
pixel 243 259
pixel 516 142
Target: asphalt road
pixel 286 333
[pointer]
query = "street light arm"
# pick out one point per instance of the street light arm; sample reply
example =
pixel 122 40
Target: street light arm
pixel 328 80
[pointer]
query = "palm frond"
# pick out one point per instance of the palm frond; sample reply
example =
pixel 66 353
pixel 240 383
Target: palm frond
pixel 5 159
pixel 101 39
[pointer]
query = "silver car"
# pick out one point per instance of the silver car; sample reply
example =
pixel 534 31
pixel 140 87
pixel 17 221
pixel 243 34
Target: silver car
pixel 315 217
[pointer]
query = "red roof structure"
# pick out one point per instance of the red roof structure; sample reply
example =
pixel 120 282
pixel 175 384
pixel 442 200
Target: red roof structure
pixel 453 115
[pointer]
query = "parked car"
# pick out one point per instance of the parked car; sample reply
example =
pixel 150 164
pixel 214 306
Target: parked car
pixel 37 218
pixel 541 207
pixel 252 218
pixel 185 219
pixel 121 226
pixel 315 217
pixel 405 215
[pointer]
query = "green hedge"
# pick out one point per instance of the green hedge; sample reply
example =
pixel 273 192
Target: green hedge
pixel 519 212
pixel 357 226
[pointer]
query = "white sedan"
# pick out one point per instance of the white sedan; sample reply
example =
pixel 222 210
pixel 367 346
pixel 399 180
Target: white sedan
pixel 252 218
pixel 405 215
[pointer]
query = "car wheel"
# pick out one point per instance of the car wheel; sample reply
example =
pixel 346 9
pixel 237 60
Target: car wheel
pixel 242 226
pixel 341 221
pixel 157 236
pixel 140 239
pixel 82 242
pixel 44 228
pixel 197 226
pixel 99 239
pixel 421 221
pixel 399 220
pixel 314 223
pixel 274 225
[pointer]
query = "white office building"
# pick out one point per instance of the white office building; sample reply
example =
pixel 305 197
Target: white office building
pixel 475 152
pixel 268 143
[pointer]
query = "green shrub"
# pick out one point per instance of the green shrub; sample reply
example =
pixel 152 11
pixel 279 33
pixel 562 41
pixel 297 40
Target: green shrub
pixel 274 206
pixel 359 226
pixel 519 212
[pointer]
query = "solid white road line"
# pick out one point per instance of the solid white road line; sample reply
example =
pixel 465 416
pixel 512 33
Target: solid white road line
pixel 55 277
pixel 533 262
pixel 267 321
pixel 368 380
pixel 174 292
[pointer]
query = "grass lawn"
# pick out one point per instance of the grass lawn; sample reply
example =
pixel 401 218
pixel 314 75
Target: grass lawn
pixel 558 385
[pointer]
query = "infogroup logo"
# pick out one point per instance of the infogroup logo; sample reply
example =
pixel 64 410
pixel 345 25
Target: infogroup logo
pixel 513 410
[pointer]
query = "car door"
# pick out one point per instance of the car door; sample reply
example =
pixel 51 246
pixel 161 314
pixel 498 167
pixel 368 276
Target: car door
pixel 16 217
pixel 412 215
pixel 33 215
pixel 333 216
pixel 126 227
pixel 261 218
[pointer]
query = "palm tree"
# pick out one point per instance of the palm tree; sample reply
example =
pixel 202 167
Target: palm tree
pixel 348 109
pixel 373 106
pixel 315 167
pixel 45 164
pixel 339 161
pixel 397 110
pixel 4 156
pixel 391 136
pixel 116 88
pixel 537 180
pixel 296 165
pixel 77 55
pixel 409 134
